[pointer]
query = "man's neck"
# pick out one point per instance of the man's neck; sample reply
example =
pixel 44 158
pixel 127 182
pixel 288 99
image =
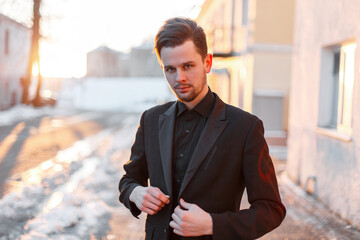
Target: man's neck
pixel 193 103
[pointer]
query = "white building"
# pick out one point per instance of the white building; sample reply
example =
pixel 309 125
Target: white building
pixel 140 62
pixel 105 62
pixel 14 56
pixel 143 61
pixel 324 120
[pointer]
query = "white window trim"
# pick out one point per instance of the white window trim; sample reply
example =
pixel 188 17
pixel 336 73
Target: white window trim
pixel 269 93
pixel 334 133
pixel 348 49
pixel 344 129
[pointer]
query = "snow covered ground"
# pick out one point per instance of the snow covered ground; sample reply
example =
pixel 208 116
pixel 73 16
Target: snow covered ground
pixel 73 195
pixel 126 94
pixel 23 112
pixel 69 196
pixel 103 94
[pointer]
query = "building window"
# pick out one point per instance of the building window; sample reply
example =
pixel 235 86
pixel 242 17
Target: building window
pixel 336 88
pixel 268 105
pixel 7 42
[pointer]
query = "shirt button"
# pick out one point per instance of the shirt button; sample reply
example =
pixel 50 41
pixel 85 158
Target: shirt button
pixel 181 155
pixel 178 180
pixel 187 131
pixel 165 230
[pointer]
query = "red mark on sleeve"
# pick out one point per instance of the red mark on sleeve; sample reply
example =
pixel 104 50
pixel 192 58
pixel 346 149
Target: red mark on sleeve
pixel 265 167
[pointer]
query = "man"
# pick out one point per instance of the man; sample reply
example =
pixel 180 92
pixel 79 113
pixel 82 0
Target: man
pixel 198 154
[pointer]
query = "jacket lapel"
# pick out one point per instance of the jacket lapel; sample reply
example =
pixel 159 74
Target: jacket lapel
pixel 213 129
pixel 166 132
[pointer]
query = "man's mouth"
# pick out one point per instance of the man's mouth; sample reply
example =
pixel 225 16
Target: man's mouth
pixel 182 88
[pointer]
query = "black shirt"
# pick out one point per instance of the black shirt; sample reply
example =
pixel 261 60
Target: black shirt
pixel 188 128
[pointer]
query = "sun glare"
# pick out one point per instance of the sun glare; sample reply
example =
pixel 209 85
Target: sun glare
pixel 63 51
pixel 65 65
pixel 35 69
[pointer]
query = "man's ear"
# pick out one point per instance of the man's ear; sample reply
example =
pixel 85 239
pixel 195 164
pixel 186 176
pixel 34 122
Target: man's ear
pixel 208 62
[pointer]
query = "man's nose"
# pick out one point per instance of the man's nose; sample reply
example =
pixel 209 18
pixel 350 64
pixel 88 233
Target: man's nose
pixel 180 76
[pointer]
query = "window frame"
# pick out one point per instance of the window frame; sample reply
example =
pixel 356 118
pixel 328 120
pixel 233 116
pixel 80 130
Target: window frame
pixel 336 93
pixel 346 88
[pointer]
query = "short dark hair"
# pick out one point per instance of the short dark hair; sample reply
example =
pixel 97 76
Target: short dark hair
pixel 178 30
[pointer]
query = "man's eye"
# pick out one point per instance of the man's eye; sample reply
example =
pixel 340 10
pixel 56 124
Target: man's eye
pixel 170 70
pixel 187 66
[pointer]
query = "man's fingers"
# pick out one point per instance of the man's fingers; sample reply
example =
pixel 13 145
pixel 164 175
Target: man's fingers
pixel 152 206
pixel 179 212
pixel 150 198
pixel 175 225
pixel 165 198
pixel 148 210
pixel 176 218
pixel 158 194
pixel 178 232
pixel 184 204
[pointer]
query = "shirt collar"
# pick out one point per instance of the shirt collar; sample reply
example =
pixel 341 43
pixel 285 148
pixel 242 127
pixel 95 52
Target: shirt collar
pixel 204 107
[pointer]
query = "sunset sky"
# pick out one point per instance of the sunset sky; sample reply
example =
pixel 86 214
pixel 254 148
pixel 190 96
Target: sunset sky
pixel 71 28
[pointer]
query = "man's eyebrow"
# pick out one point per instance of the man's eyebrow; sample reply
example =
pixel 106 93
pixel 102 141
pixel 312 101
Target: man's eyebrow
pixel 168 66
pixel 182 64
pixel 188 62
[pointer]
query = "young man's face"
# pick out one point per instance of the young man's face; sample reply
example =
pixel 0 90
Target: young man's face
pixel 185 71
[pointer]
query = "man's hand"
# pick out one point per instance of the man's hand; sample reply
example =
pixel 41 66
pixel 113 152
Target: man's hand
pixel 149 199
pixel 193 221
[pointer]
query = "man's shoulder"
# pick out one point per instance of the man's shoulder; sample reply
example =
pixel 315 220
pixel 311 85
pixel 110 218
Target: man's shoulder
pixel 236 111
pixel 233 113
pixel 237 114
pixel 159 109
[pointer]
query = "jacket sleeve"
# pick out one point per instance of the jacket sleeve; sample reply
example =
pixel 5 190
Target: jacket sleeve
pixel 266 211
pixel 136 171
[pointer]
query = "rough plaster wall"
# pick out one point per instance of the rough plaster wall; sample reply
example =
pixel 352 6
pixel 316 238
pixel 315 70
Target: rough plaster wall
pixel 335 163
pixel 13 66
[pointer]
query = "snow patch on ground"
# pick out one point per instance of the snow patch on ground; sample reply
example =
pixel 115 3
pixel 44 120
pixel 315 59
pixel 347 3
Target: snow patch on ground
pixel 24 112
pixel 72 195
pixel 125 94
pixel 98 94
pixel 74 208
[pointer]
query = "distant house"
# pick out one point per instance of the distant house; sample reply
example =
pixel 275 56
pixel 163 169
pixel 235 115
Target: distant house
pixel 251 42
pixel 143 62
pixel 324 122
pixel 104 62
pixel 140 62
pixel 14 56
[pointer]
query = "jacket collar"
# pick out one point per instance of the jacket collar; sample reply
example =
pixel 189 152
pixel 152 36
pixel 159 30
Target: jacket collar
pixel 215 125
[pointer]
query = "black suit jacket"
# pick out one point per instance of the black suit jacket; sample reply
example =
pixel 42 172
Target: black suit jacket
pixel 231 154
